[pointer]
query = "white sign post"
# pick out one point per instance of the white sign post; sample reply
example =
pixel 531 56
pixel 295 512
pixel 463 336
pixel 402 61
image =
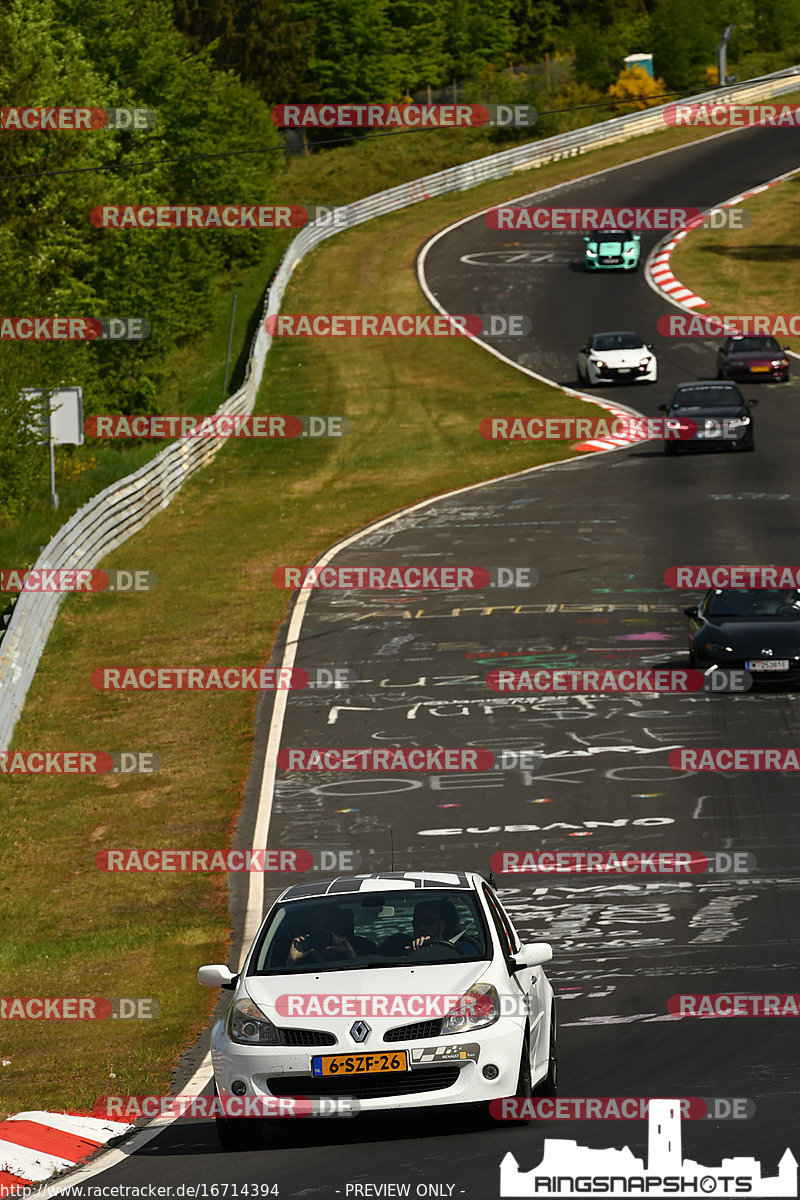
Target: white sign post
pixel 61 424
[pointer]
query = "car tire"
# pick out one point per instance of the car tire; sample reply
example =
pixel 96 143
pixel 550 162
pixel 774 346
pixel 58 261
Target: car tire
pixel 239 1133
pixel 549 1085
pixel 692 658
pixel 524 1088
pixel 720 373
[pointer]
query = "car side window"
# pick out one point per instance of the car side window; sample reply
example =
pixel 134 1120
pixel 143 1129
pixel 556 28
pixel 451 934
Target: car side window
pixel 508 940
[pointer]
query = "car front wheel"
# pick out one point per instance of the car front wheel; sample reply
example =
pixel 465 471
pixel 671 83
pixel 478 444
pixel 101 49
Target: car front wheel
pixel 239 1133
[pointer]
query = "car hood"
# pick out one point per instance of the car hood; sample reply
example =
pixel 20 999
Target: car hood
pixel 436 980
pixel 612 247
pixel 711 412
pixel 621 358
pixel 750 357
pixel 783 637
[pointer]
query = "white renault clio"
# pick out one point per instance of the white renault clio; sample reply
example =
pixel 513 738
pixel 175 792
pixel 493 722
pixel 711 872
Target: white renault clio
pixel 387 991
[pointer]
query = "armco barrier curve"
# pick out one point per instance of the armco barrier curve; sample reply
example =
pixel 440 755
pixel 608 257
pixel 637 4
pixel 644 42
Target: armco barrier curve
pixel 115 514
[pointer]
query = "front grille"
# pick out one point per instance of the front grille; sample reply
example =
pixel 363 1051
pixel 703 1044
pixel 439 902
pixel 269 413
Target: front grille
pixel 366 1087
pixel 408 1033
pixel 306 1037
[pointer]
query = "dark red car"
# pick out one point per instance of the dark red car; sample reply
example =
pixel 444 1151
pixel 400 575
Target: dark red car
pixel 752 358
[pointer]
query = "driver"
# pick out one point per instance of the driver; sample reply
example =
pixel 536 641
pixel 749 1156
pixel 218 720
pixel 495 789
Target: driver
pixel 430 923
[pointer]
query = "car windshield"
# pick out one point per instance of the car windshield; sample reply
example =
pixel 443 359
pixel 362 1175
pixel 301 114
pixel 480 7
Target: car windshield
pixel 352 931
pixel 754 603
pixel 616 341
pixel 706 397
pixel 754 345
pixel 613 235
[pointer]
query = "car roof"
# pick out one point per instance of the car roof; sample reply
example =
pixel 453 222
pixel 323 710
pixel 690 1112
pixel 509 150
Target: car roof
pixel 384 881
pixel 701 385
pixel 618 333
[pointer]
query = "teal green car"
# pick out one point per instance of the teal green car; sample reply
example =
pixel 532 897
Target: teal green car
pixel 612 250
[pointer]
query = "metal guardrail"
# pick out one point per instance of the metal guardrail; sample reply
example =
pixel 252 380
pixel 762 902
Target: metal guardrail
pixel 123 508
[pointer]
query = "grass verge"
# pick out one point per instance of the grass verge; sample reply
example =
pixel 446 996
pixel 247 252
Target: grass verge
pixel 758 262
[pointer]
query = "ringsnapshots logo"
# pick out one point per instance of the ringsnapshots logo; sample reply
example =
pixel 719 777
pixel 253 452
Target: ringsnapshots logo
pixel 229 861
pixel 79 762
pixel 731 116
pixel 398 325
pixel 403 116
pixel 78 1008
pixel 682 325
pixel 401 577
pixel 73 329
pixel 75 579
pixel 216 426
pixel 612 220
pixel 622 862
pixel 566 429
pixel 218 679
pixel 76 119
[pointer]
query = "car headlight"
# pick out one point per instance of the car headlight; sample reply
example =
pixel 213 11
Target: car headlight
pixel 476 1009
pixel 591 251
pixel 779 363
pixel 598 362
pixel 737 422
pixel 645 362
pixel 248 1026
pixel 629 249
pixel 717 648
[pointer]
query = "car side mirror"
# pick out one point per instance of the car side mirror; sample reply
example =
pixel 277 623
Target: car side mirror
pixel 784 347
pixel 586 239
pixel 663 408
pixel 649 345
pixel 691 611
pixel 217 976
pixel 535 954
pixel 753 401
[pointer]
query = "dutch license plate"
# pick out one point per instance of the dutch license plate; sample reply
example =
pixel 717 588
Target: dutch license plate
pixel 767 664
pixel 359 1064
pixel 759 368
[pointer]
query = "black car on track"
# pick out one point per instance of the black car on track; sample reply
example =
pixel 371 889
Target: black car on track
pixel 748 629
pixel 706 416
